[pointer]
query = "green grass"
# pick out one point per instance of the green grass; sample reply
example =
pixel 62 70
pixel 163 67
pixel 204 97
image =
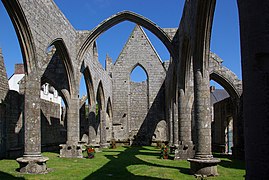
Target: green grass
pixel 120 163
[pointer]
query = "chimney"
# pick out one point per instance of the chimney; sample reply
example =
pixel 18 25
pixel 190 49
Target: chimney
pixel 19 69
pixel 109 64
pixel 212 89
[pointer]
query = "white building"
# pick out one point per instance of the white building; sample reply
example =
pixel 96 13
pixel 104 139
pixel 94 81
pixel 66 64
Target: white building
pixel 47 92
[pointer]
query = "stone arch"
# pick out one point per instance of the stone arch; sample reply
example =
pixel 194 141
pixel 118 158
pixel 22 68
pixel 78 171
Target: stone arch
pixel 63 53
pixel 141 66
pixel 203 27
pixel 224 76
pixel 109 107
pixel 89 85
pixel 118 18
pixel 109 125
pixel 185 65
pixel 233 86
pixel 24 34
pixel 101 121
pixel 100 96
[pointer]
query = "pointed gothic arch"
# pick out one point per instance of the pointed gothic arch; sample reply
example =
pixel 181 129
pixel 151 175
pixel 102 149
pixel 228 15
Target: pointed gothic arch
pixel 100 96
pixel 24 34
pixel 140 66
pixel 89 85
pixel 109 107
pixel 203 27
pixel 125 16
pixel 63 53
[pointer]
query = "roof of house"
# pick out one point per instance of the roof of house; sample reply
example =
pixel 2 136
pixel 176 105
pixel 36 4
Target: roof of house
pixel 218 95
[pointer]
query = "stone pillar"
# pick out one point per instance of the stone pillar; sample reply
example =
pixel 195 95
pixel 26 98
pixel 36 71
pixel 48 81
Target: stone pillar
pixel 238 132
pixel 103 142
pixel 175 120
pixel 72 149
pixel 185 149
pixel 92 124
pixel 254 36
pixel 170 115
pixel 203 163
pixel 32 160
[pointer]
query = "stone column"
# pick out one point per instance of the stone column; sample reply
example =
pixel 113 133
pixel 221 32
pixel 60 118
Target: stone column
pixel 73 122
pixel 185 149
pixel 170 115
pixel 238 132
pixel 175 120
pixel 254 36
pixel 32 160
pixel 92 124
pixel 103 142
pixel 72 148
pixel 203 162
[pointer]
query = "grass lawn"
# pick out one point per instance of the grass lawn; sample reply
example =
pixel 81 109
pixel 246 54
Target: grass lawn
pixel 121 163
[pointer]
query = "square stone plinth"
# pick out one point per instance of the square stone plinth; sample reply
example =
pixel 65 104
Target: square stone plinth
pixel 184 151
pixel 71 151
pixel 33 165
pixel 204 167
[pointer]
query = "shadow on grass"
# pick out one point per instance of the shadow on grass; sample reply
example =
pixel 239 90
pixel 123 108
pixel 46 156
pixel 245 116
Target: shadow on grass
pixel 235 164
pixel 116 168
pixel 231 163
pixel 227 156
pixel 7 176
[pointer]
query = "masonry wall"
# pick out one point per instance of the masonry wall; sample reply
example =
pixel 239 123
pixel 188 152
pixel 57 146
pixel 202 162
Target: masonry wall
pixel 14 124
pixel 132 120
pixel 3 92
pixel 48 23
pixel 84 123
pixel 222 113
pixel 2 130
pixel 53 131
pixel 3 78
pixel 138 105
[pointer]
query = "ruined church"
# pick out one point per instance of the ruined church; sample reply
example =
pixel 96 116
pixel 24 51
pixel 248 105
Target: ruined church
pixel 43 110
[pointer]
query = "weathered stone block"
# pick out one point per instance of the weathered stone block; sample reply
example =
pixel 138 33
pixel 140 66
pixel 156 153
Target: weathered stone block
pixel 33 165
pixel 71 151
pixel 204 167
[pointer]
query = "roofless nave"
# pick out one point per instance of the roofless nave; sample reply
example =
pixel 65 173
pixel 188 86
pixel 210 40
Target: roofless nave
pixel 51 56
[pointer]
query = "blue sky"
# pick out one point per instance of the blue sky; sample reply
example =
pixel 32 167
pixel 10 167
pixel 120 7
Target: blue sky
pixel 86 14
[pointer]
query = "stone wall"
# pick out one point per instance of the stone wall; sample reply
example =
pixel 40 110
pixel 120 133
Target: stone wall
pixel 222 113
pixel 138 51
pixel 53 131
pixel 138 105
pixel 14 124
pixel 3 78
pixel 2 130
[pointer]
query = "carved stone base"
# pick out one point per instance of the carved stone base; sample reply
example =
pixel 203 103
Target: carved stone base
pixel 204 167
pixel 71 151
pixel 33 165
pixel 184 151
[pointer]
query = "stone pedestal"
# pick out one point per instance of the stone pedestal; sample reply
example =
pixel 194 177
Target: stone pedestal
pixel 204 167
pixel 33 165
pixel 71 151
pixel 184 151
